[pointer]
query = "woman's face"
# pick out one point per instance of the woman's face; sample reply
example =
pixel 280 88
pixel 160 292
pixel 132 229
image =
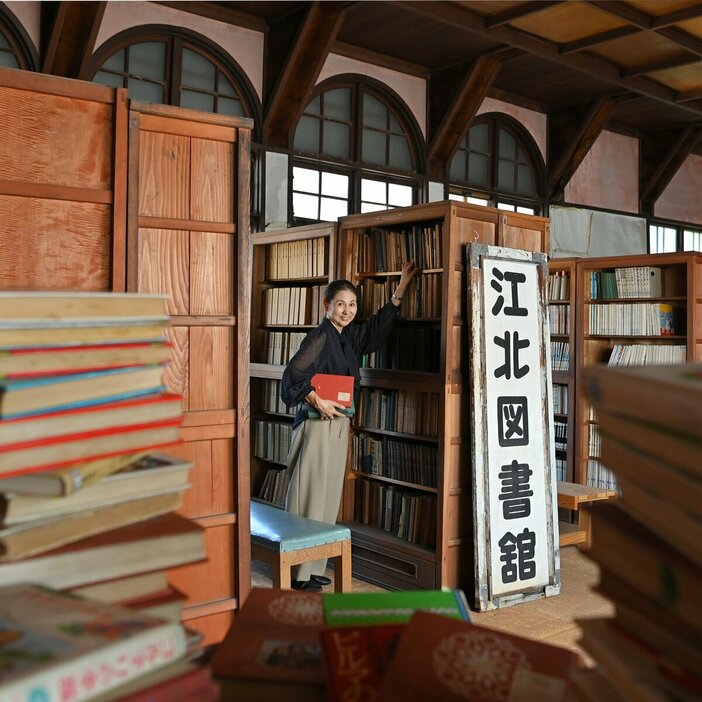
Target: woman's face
pixel 342 309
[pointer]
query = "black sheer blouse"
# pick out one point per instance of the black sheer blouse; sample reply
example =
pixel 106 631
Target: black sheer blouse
pixel 325 350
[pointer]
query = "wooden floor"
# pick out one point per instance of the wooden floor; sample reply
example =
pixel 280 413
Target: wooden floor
pixel 550 619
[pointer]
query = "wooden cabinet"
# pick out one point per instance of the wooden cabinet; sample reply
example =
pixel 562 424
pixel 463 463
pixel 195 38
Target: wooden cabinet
pixel 291 269
pixel 410 511
pixel 637 310
pixel 188 236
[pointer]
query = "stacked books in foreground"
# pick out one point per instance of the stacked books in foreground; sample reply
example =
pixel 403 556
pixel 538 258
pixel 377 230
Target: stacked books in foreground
pixel 88 498
pixel 648 543
pixel 389 646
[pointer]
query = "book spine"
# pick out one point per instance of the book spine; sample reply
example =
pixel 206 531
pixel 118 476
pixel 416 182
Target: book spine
pixel 102 670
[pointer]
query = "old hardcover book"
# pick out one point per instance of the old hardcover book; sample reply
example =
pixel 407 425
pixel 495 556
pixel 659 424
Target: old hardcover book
pixel 129 587
pixel 153 544
pixel 155 474
pixel 30 538
pixel 53 643
pixel 81 334
pixel 448 659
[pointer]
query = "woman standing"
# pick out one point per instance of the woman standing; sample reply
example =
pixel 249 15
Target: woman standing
pixel 317 458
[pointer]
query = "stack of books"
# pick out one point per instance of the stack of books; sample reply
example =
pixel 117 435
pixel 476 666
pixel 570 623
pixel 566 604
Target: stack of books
pixel 648 543
pixel 404 646
pixel 88 497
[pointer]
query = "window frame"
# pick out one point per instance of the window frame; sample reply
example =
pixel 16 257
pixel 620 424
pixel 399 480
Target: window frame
pixel 680 228
pixel 20 42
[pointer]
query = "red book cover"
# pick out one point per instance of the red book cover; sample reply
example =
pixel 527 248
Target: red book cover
pixel 334 387
pixel 451 660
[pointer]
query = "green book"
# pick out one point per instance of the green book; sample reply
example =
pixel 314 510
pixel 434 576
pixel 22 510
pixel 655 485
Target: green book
pixel 396 607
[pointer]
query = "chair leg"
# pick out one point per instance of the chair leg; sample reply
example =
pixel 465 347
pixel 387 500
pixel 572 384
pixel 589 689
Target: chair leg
pixel 342 568
pixel 284 578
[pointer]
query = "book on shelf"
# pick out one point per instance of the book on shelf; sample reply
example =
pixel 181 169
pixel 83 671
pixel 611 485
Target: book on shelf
pixel 167 604
pixel 55 644
pixel 152 475
pixel 81 334
pixel 129 587
pixel 153 544
pixel 443 658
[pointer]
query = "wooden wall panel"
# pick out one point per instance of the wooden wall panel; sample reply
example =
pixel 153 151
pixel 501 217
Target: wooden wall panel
pixel 213 627
pixel 223 478
pixel 176 376
pixel 54 244
pixel 164 266
pixel 211 284
pixel 213 348
pixel 212 193
pixel 164 175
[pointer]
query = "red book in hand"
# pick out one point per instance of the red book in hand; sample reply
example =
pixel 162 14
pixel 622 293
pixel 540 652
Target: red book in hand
pixel 338 388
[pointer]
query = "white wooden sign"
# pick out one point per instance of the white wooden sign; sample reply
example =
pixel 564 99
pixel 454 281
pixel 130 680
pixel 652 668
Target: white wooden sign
pixel 514 484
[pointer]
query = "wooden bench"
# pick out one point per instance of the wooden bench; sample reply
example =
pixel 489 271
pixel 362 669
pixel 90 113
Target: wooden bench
pixel 571 496
pixel 283 540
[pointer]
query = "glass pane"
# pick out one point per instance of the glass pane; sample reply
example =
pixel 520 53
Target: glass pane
pixel 478 169
pixel 224 86
pixel 332 209
pixel 148 60
pixel 457 170
pixel 478 138
pixel 395 125
pixel 8 60
pixel 147 92
pixel 109 79
pixel 505 175
pixel 399 195
pixel 508 146
pixel 525 181
pixel 477 201
pixel 306 206
pixel 337 104
pixel 662 239
pixel 336 139
pixel 400 153
pixel 371 207
pixel 375 114
pixel 313 107
pixel 453 196
pixel 505 206
pixel 307 135
pixel 305 179
pixel 197 101
pixel 198 72
pixel 692 240
pixel 521 155
pixel 526 210
pixel 374 147
pixel 115 62
pixel 232 107
pixel 373 191
pixel 335 184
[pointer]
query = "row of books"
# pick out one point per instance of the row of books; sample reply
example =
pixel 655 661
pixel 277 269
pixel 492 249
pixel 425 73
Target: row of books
pixel 421 300
pixel 281 346
pixel 560 398
pixel 594 444
pixel 560 355
pixel 630 282
pixel 414 349
pixel 272 401
pixel 275 486
pixel 651 424
pixel 647 354
pixel 405 513
pixel 561 468
pixel 385 250
pixel 403 411
pixel 632 319
pixel 559 319
pixel 293 306
pixel 559 286
pixel 409 463
pixel 296 259
pixel 560 429
pixel 87 507
pixel 599 476
pixel 272 440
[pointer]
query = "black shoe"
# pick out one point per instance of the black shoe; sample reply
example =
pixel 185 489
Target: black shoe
pixel 320 579
pixel 306 585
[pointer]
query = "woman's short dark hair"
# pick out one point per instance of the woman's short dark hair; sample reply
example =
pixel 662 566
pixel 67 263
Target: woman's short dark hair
pixel 337 286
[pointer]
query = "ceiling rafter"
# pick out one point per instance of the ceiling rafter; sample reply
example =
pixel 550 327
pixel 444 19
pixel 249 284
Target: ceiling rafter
pixel 682 38
pixel 624 11
pixel 644 69
pixel 689 95
pixel 677 16
pixel 524 10
pixel 595 39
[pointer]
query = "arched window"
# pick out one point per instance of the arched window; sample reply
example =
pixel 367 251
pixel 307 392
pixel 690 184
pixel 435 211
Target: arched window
pixel 498 163
pixel 16 48
pixel 356 149
pixel 174 67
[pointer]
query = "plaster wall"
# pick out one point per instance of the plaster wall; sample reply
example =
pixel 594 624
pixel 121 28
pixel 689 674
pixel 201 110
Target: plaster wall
pixel 28 15
pixel 681 199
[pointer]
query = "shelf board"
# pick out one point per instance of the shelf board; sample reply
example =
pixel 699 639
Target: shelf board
pixel 289 326
pixel 398 434
pixel 384 479
pixel 389 540
pixel 400 380
pixel 610 300
pixel 649 337
pixel 266 371
pixel 385 274
pixel 559 302
pixel 280 464
pixel 313 280
pixel 565 335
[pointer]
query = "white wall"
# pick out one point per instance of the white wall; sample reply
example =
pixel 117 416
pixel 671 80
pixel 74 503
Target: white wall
pixel 682 200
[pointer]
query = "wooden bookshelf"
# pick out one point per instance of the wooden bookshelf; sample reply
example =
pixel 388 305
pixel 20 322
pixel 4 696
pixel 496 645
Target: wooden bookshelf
pixel 615 324
pixel 562 324
pixel 291 268
pixel 427 359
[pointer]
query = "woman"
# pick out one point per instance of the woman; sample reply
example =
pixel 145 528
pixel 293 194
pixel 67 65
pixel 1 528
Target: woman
pixel 317 458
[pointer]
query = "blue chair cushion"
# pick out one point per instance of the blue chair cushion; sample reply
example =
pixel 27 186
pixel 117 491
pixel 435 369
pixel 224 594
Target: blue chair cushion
pixel 282 531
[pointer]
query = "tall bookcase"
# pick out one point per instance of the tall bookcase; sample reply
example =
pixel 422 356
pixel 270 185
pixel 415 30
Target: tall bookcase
pixel 291 268
pixel 407 497
pixel 619 315
pixel 562 324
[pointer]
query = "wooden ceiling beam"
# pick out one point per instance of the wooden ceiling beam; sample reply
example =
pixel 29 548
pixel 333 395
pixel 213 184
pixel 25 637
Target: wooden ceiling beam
pixel 220 12
pixel 572 47
pixel 68 33
pixel 297 47
pixel 455 95
pixel 524 10
pixel 644 69
pixel 667 156
pixel 689 95
pixel 625 11
pixel 571 136
pixel 682 15
pixel 682 38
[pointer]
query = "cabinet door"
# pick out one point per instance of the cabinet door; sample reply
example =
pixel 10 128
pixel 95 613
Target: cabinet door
pixel 188 238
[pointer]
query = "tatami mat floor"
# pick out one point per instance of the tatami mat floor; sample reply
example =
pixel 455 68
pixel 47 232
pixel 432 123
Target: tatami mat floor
pixel 551 619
